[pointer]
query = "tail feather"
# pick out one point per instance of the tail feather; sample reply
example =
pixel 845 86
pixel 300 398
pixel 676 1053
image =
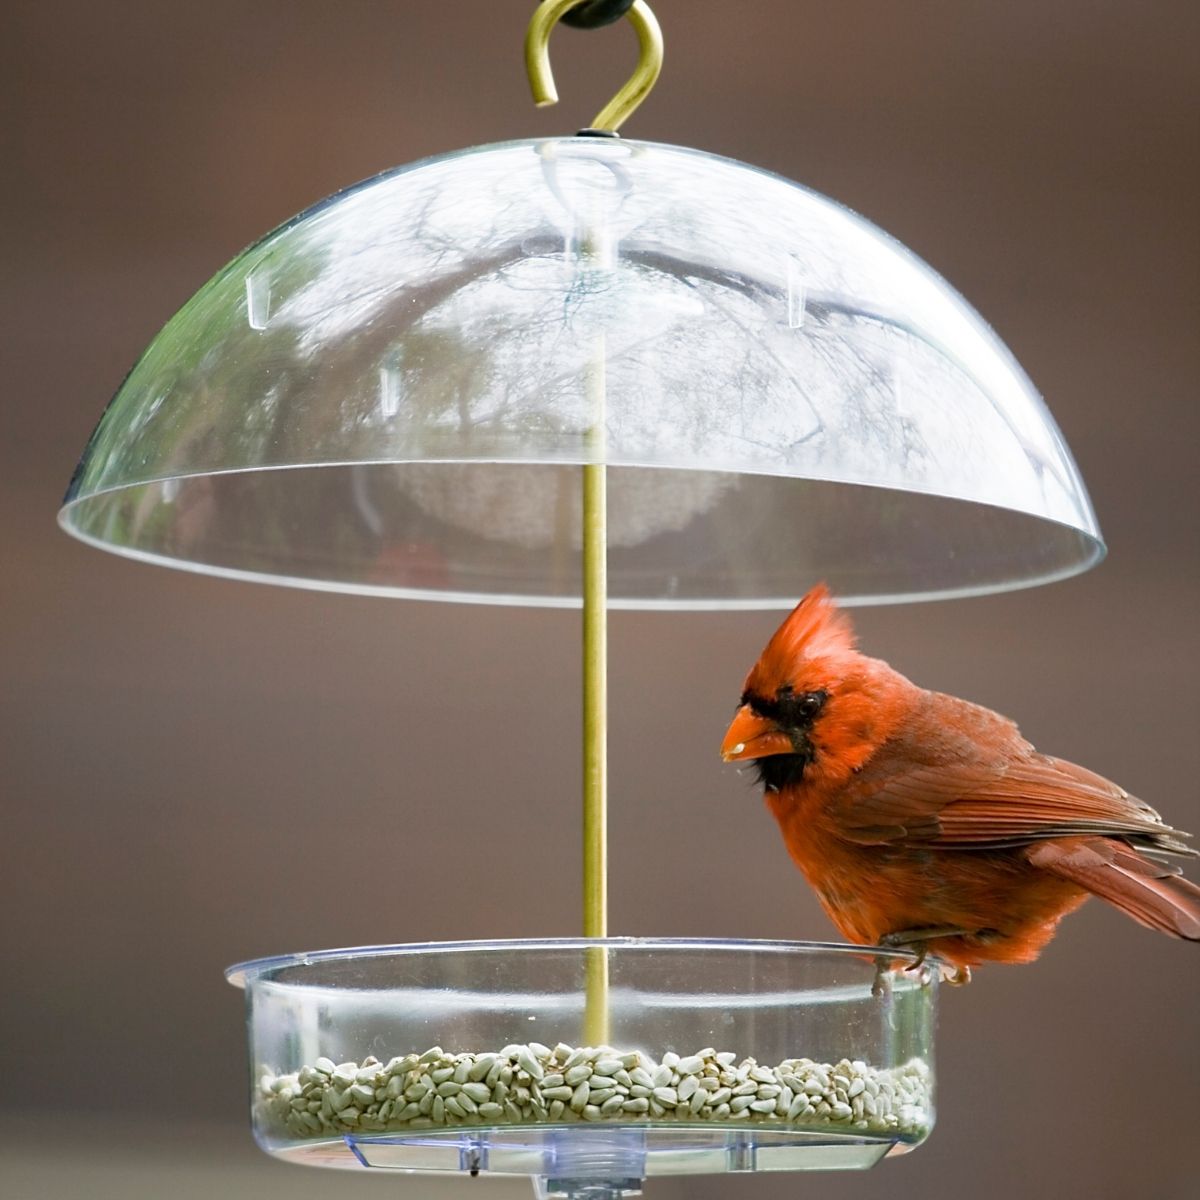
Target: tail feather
pixel 1152 893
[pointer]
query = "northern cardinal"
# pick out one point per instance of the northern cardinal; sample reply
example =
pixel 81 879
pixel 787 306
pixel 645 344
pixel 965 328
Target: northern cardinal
pixel 926 822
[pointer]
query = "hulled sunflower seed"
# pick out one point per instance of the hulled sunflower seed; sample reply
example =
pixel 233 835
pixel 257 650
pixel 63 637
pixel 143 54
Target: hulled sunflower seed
pixel 443 1090
pixel 529 1064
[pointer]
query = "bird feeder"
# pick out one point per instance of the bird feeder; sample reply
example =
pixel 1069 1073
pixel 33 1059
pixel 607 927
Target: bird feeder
pixel 586 371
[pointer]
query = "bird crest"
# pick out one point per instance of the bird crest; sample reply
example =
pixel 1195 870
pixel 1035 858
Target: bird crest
pixel 815 628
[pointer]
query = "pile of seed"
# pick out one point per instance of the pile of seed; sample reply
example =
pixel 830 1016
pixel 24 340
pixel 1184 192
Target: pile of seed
pixel 533 1083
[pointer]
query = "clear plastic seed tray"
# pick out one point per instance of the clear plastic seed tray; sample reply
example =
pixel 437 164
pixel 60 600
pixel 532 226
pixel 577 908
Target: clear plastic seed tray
pixel 574 1060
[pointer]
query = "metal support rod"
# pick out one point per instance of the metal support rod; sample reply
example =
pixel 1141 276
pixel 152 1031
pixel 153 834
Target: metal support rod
pixel 595 703
pixel 597 253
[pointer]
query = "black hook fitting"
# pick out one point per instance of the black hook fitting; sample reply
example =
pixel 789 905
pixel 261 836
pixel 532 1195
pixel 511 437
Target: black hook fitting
pixel 592 14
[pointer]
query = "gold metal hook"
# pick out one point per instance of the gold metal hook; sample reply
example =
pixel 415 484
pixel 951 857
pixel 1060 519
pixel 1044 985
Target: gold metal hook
pixel 636 87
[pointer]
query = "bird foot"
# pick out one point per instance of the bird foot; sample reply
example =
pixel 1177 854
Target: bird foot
pixel 917 940
pixel 881 985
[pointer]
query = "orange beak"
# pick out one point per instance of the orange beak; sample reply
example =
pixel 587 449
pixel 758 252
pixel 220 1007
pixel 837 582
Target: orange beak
pixel 752 736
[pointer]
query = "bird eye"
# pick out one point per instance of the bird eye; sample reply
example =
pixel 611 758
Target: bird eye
pixel 811 703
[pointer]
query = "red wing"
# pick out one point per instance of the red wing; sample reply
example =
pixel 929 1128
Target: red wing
pixel 961 776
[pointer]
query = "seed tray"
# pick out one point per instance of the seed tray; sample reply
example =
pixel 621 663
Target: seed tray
pixel 577 1059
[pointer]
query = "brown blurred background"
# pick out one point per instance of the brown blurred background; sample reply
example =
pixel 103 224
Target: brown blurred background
pixel 196 772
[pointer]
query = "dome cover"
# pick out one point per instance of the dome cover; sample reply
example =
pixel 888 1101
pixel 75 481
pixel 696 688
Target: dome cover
pixel 392 393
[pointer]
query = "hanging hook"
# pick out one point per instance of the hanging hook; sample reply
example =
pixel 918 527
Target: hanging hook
pixel 636 87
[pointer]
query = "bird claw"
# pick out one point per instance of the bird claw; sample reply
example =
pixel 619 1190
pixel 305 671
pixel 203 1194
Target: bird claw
pixel 881 985
pixel 917 941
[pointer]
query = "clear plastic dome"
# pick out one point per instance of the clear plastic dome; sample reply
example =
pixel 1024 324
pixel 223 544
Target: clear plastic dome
pixel 393 392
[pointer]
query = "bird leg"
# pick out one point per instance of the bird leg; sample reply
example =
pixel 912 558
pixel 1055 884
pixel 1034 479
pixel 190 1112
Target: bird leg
pixel 918 940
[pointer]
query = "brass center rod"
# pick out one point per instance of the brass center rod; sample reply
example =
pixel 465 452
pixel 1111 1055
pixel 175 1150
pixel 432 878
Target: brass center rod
pixel 595 704
pixel 598 253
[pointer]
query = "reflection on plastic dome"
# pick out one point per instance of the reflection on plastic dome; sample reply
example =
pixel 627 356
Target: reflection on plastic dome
pixel 747 333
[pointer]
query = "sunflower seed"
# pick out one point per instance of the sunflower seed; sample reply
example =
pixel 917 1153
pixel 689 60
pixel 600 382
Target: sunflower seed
pixel 528 1063
pixel 442 1090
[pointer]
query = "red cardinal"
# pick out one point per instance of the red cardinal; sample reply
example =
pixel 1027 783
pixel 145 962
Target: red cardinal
pixel 927 822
